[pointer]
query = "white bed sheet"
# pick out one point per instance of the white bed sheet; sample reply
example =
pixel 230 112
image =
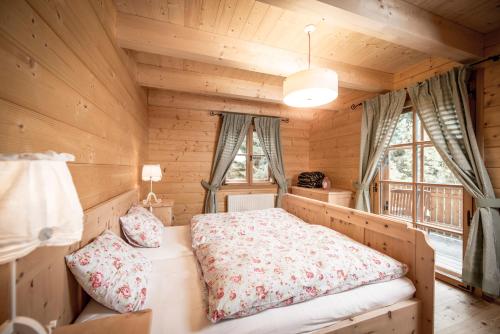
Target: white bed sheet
pixel 178 299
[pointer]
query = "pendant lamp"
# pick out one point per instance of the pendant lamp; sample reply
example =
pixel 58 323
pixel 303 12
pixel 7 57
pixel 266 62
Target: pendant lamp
pixel 311 87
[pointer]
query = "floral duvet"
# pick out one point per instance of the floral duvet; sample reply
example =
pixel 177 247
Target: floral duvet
pixel 255 260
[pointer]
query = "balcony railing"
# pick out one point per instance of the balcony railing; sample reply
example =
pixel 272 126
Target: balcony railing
pixel 439 207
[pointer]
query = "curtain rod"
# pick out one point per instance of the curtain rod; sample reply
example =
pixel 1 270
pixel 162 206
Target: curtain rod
pixel 355 106
pixel 219 113
pixel 492 58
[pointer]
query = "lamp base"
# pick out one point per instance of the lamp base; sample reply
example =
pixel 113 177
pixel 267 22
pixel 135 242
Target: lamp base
pixel 149 199
pixel 22 325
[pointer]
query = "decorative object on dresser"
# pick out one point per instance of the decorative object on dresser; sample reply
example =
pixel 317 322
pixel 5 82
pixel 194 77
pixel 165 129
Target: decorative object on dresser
pixel 39 206
pixel 310 179
pixel 162 211
pixel 333 196
pixel 327 184
pixel 151 173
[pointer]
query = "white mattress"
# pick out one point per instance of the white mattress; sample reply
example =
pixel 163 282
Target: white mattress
pixel 178 299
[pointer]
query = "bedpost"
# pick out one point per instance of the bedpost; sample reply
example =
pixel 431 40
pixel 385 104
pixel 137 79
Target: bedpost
pixel 424 280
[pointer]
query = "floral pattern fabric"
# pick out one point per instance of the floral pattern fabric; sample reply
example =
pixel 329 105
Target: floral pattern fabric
pixel 141 228
pixel 112 272
pixel 255 260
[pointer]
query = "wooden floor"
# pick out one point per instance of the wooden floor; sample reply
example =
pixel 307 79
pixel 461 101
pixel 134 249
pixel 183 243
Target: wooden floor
pixel 458 312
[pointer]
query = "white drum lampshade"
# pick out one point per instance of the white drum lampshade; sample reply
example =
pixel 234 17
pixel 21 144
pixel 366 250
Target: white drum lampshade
pixel 311 88
pixel 151 173
pixel 39 206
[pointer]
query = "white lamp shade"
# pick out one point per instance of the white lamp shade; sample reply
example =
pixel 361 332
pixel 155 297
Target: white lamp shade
pixel 311 88
pixel 39 205
pixel 151 172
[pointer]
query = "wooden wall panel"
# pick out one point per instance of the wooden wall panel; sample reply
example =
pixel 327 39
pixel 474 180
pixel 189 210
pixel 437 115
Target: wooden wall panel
pixel 66 86
pixel 490 113
pixel 334 145
pixel 183 137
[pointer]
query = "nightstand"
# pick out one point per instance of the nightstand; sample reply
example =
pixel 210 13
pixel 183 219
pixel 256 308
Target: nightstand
pixel 163 211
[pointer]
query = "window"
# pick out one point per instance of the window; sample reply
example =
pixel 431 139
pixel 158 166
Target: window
pixel 416 185
pixel 250 166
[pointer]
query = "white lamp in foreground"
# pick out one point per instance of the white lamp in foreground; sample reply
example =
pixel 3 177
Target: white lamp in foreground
pixel 311 87
pixel 151 173
pixel 39 206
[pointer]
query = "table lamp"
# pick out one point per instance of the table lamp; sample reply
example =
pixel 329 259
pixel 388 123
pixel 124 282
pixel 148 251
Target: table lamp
pixel 39 206
pixel 151 173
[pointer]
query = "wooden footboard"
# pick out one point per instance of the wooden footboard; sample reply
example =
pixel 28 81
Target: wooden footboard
pixel 393 237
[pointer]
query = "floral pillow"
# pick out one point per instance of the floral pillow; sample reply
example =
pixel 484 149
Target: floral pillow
pixel 112 272
pixel 142 228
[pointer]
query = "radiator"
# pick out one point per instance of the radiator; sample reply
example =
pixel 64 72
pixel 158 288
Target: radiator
pixel 238 203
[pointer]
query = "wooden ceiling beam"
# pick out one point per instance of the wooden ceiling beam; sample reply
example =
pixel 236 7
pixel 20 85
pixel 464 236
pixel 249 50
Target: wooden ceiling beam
pixel 147 35
pixel 394 21
pixel 177 80
pixel 208 84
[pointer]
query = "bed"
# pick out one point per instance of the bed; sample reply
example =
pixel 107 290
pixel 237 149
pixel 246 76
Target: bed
pixel 179 301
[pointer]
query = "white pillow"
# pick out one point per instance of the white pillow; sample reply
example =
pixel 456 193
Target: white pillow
pixel 141 228
pixel 111 272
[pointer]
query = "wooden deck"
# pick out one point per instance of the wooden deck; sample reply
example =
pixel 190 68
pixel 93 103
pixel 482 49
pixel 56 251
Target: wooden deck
pixel 459 312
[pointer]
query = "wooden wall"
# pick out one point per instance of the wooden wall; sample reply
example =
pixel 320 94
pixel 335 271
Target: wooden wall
pixel 334 137
pixel 489 119
pixel 183 137
pixel 66 86
pixel 334 142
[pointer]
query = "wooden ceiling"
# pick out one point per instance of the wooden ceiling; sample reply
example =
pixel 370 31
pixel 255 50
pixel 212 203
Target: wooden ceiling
pixel 258 22
pixel 244 48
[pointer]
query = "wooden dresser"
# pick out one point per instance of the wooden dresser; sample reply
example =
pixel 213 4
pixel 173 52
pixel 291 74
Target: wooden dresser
pixel 334 196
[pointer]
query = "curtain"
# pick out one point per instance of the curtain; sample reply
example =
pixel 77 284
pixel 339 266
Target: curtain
pixel 443 106
pixel 379 119
pixel 268 130
pixel 233 131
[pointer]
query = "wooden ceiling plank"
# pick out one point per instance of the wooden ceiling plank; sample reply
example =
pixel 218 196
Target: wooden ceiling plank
pixel 395 21
pixel 147 35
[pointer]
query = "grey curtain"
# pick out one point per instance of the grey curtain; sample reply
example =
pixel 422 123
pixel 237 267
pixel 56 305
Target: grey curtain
pixel 443 106
pixel 379 119
pixel 268 130
pixel 233 131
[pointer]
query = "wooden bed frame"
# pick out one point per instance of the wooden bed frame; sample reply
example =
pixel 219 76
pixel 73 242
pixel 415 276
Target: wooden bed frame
pixel 395 238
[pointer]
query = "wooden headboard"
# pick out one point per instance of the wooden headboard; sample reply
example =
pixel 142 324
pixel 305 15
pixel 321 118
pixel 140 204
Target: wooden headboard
pixel 396 238
pixel 46 289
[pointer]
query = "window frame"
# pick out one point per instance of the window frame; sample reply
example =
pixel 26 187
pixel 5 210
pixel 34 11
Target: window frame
pixel 249 181
pixel 417 180
pixel 418 183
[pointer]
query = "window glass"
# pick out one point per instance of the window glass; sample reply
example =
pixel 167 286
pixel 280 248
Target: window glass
pixel 257 147
pixel 238 170
pixel 403 134
pixel 260 169
pixel 435 170
pixel 399 163
pixel 243 147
